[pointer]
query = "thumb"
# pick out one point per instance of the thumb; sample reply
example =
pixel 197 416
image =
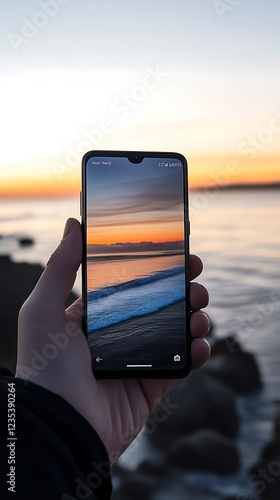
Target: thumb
pixel 59 275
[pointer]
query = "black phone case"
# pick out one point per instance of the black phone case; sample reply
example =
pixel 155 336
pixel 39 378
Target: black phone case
pixel 136 157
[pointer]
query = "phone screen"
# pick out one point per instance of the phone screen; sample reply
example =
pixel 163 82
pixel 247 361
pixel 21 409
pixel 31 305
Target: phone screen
pixel 136 263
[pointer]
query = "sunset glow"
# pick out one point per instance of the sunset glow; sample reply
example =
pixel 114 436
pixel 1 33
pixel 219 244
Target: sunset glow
pixel 191 92
pixel 135 233
pixel 224 170
pixel 221 170
pixel 33 187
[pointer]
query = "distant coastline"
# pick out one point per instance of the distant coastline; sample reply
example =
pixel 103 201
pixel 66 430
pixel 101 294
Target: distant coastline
pixel 25 197
pixel 121 247
pixel 239 187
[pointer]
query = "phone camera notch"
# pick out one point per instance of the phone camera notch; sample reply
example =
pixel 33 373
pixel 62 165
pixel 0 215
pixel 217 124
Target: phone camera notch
pixel 135 158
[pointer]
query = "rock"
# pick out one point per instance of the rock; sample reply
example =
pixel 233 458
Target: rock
pixel 143 482
pixel 225 346
pixel 119 470
pixel 236 368
pixel 156 469
pixel 271 451
pixel 17 282
pixel 277 426
pixel 264 476
pixel 25 241
pixel 205 451
pixel 200 401
pixel 137 487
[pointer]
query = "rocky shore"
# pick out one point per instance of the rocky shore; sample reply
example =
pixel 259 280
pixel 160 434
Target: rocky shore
pixel 17 282
pixel 196 429
pixel 264 476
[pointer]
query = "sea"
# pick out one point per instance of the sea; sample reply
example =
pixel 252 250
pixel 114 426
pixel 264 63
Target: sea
pixel 156 280
pixel 237 235
pixel 135 302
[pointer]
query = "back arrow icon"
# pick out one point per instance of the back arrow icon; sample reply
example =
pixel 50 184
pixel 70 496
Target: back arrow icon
pixel 98 359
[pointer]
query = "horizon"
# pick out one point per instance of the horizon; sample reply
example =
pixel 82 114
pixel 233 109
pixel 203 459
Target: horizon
pixel 76 192
pixel 136 246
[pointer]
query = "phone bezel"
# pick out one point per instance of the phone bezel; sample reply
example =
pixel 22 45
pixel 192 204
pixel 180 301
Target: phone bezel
pixel 141 373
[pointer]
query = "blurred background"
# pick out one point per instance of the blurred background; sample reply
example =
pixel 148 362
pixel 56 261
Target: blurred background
pixel 201 78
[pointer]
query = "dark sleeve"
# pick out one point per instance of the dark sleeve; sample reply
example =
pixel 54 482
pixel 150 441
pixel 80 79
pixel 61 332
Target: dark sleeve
pixel 56 453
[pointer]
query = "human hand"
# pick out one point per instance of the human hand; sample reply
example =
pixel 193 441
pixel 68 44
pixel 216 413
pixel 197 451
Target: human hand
pixel 53 351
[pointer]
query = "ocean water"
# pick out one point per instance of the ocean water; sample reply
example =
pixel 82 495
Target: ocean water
pixel 140 306
pixel 237 235
pixel 42 219
pixel 145 295
pixel 105 270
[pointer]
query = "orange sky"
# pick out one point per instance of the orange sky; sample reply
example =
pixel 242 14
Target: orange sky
pixel 203 171
pixel 181 89
pixel 34 187
pixel 224 170
pixel 139 232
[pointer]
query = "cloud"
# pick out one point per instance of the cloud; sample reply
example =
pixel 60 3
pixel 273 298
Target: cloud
pixel 153 196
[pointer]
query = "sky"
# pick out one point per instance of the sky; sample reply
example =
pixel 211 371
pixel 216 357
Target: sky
pixel 200 77
pixel 134 203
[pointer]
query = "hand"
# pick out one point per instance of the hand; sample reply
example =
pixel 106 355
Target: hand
pixel 53 351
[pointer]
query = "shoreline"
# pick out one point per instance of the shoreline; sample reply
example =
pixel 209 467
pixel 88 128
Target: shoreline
pixel 125 340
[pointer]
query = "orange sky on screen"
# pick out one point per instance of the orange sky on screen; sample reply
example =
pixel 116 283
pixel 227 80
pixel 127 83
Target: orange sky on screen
pixel 133 234
pixel 203 171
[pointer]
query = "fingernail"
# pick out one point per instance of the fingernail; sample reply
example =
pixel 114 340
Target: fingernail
pixel 209 321
pixel 209 346
pixel 68 228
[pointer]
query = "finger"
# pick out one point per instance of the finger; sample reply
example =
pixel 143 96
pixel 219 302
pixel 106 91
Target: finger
pixel 200 324
pixel 156 390
pixel 198 296
pixel 59 275
pixel 200 352
pixel 196 266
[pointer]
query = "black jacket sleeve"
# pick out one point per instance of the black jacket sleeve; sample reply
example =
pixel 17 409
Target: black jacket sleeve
pixel 48 451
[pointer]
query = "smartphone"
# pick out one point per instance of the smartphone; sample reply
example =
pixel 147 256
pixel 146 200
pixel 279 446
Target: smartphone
pixel 136 310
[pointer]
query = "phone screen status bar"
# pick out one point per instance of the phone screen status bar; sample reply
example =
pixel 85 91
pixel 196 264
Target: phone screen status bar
pixel 101 162
pixel 161 164
pixel 170 164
